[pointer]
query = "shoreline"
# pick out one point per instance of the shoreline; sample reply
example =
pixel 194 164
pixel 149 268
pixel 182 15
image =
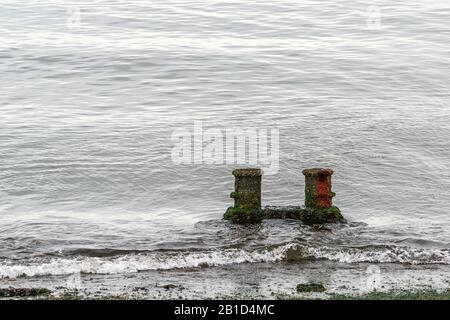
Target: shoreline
pixel 307 280
pixel 46 294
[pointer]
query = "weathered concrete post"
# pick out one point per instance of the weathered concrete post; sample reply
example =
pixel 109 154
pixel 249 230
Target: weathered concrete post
pixel 318 207
pixel 247 188
pixel 246 195
pixel 318 192
pixel 318 196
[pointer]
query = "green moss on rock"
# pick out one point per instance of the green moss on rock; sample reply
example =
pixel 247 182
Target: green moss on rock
pixel 310 287
pixel 23 292
pixel 307 215
pixel 286 212
pixel 322 215
pixel 397 295
pixel 243 215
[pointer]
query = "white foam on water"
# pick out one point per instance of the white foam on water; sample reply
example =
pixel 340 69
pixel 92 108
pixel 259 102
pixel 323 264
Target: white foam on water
pixel 377 255
pixel 131 263
pixel 141 262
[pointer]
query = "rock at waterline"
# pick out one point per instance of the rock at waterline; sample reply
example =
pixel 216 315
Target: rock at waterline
pixel 310 287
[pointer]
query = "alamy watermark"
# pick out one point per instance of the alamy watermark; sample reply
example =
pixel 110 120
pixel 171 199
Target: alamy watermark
pixel 373 281
pixel 231 146
pixel 73 17
pixel 74 282
pixel 373 21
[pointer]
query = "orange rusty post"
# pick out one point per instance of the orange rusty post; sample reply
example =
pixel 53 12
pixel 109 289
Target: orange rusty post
pixel 318 192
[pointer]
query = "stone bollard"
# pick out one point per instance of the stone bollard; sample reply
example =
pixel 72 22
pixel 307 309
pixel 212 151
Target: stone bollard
pixel 247 188
pixel 318 207
pixel 247 196
pixel 318 192
pixel 318 195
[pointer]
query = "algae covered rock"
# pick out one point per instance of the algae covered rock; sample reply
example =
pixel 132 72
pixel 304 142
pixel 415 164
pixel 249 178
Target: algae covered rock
pixel 243 215
pixel 307 215
pixel 310 287
pixel 322 215
pixel 23 292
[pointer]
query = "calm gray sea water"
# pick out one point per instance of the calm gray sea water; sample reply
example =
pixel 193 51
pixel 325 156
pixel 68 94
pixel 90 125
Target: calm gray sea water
pixel 88 104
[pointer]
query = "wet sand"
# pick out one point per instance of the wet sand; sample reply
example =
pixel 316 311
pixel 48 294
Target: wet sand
pixel 253 281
